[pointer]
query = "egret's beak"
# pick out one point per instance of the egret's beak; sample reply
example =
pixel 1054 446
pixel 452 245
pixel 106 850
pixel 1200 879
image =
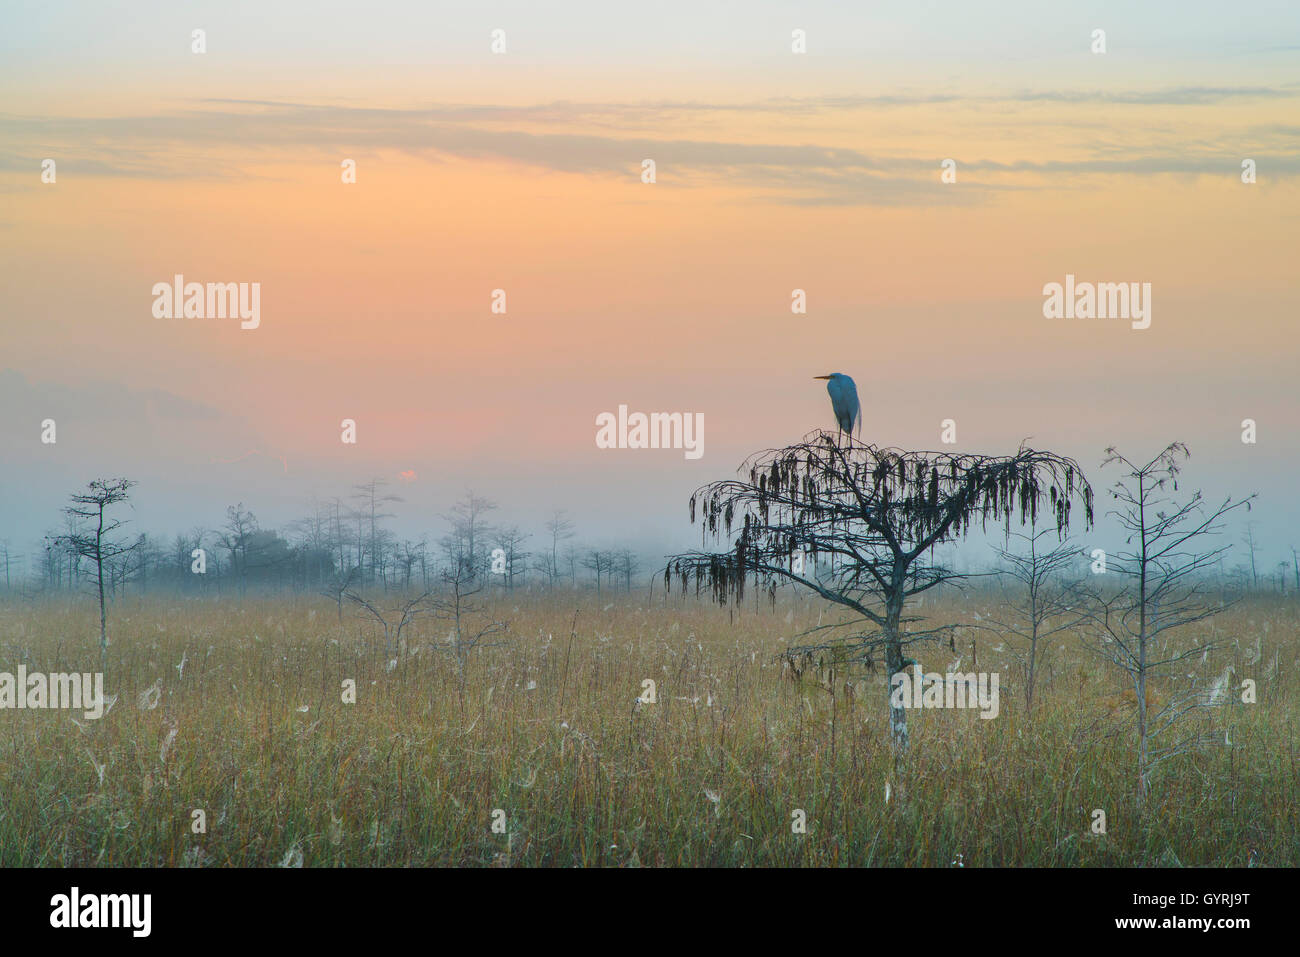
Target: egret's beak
pixel 821 377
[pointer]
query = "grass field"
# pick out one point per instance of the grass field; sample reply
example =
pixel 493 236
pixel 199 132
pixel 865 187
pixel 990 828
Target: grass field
pixel 253 732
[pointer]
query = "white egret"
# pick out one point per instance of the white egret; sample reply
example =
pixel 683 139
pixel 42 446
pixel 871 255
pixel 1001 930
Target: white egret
pixel 844 400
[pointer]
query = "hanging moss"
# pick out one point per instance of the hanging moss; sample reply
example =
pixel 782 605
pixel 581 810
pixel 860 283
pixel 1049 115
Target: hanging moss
pixel 822 498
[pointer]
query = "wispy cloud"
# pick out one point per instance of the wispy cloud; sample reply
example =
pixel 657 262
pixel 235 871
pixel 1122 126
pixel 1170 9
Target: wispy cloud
pixel 219 142
pixel 91 413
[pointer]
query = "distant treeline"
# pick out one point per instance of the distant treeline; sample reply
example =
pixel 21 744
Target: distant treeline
pixel 340 544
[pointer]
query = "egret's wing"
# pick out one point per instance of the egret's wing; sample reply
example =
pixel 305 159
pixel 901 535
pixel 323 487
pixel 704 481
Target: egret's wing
pixel 839 401
pixel 853 408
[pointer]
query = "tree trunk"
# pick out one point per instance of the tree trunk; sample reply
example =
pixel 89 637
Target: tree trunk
pixel 1140 679
pixel 99 578
pixel 894 659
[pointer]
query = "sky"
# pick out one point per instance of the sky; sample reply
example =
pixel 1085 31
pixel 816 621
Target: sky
pixel 522 171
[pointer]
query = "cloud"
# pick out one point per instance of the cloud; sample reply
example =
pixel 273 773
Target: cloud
pixel 90 414
pixel 104 400
pixel 1203 164
pixel 562 110
pixel 1175 96
pixel 562 136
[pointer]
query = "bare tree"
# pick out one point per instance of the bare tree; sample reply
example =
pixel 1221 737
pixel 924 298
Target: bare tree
pixel 96 542
pixel 1163 591
pixel 52 560
pixel 508 540
pixel 338 531
pixel 1252 549
pixel 314 538
pixel 857 525
pixel 544 565
pixel 628 565
pixel 240 527
pixel 59 552
pixel 338 586
pixel 470 623
pixel 408 556
pixel 181 558
pixel 391 620
pixel 4 550
pixel 1045 605
pixel 133 565
pixel 422 551
pixel 370 501
pixel 465 546
pixel 571 556
pixel 384 555
pixel 560 529
pixel 599 562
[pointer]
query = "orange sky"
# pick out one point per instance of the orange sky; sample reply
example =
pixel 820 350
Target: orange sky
pixel 672 296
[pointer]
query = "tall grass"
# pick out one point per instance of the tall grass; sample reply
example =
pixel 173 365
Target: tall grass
pixel 547 730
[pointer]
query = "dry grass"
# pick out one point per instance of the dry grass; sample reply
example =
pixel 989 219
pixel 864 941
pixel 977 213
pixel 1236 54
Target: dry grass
pixel 548 731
